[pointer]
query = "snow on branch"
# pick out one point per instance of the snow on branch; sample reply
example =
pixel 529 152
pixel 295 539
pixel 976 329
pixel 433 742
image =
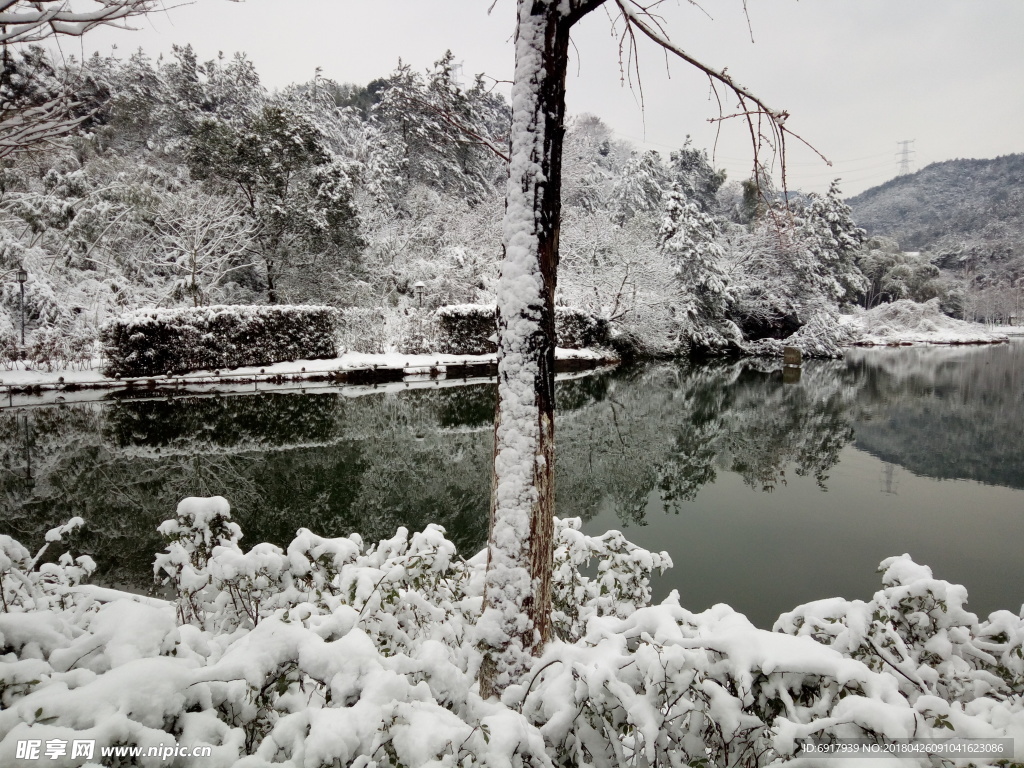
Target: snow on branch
pixel 36 125
pixel 449 118
pixel 30 22
pixel 754 110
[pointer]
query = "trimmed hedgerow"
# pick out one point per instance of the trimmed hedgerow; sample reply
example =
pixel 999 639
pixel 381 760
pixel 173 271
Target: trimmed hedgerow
pixel 155 342
pixel 470 329
pixel 576 329
pixel 466 329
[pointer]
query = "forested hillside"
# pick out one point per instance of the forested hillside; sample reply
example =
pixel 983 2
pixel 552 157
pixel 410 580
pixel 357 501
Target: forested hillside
pixel 189 183
pixel 979 203
pixel 967 219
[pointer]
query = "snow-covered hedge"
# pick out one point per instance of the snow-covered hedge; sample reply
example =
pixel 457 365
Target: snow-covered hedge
pixel 576 329
pixel 470 329
pixel 155 342
pixel 333 653
pixel 467 329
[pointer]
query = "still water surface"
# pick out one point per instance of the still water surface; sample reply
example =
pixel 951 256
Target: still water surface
pixel 766 492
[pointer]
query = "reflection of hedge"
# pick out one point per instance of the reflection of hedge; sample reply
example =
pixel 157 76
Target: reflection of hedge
pixel 199 424
pixel 154 342
pixel 469 329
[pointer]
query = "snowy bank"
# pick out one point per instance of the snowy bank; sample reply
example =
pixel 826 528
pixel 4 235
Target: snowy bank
pixel 910 322
pixel 351 367
pixel 333 652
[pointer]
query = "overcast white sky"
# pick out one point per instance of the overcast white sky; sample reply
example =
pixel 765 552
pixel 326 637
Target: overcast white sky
pixel 857 75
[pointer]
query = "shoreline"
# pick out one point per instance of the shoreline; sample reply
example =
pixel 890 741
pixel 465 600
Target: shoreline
pixel 371 370
pixel 358 369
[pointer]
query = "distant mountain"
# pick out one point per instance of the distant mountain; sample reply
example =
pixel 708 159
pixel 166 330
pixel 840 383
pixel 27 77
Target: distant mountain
pixel 953 208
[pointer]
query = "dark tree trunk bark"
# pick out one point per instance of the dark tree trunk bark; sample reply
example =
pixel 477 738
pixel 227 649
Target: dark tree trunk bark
pixel 271 282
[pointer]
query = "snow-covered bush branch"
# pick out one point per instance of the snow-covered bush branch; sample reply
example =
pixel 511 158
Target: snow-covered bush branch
pixel 330 652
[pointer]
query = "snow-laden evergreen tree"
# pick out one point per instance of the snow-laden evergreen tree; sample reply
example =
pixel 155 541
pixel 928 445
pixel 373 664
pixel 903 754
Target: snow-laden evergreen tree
pixel 433 131
pixel 37 106
pixel 138 94
pixel 893 274
pixel 590 163
pixel 691 169
pixel 638 186
pixel 827 230
pixel 689 237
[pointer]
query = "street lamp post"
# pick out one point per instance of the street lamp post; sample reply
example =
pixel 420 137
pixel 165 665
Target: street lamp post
pixel 22 277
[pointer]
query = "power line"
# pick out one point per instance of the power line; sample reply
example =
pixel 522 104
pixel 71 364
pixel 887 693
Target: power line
pixel 725 159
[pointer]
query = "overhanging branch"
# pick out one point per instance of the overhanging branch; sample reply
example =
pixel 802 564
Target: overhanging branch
pixel 22 21
pixel 752 109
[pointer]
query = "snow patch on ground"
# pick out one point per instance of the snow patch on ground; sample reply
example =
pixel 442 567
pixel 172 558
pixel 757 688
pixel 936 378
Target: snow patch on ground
pixel 911 322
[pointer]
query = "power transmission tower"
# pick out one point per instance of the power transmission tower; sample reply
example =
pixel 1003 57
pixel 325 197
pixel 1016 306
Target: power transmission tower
pixel 903 155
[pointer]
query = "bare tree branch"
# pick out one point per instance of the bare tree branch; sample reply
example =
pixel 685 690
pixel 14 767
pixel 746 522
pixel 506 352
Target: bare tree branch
pixel 752 109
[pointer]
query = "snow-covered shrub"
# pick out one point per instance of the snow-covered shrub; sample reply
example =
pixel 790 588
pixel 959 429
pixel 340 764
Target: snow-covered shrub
pixel 470 329
pixel 621 586
pixel 576 329
pixel 329 653
pixel 198 527
pixel 361 329
pixel 46 349
pixel 467 329
pixel 906 321
pixel 392 329
pixel 29 584
pixel 10 352
pixel 80 346
pixel 411 331
pixel 155 342
pixel 59 347
pixel 823 335
pixel 917 630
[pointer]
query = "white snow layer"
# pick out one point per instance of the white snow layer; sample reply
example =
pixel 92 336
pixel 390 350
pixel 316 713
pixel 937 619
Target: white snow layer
pixel 911 322
pixel 329 652
pixel 520 426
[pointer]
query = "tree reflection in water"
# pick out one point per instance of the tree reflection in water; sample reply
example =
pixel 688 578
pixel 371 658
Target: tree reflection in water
pixel 337 463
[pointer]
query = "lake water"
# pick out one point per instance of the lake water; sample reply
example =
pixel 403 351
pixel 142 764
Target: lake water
pixel 766 491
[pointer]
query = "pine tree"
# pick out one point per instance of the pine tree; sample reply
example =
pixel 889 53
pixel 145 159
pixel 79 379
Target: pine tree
pixel 691 169
pixel 639 186
pixel 689 237
pixel 827 230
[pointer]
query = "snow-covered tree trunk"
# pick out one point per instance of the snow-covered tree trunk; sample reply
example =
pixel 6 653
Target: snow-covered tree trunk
pixel 517 605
